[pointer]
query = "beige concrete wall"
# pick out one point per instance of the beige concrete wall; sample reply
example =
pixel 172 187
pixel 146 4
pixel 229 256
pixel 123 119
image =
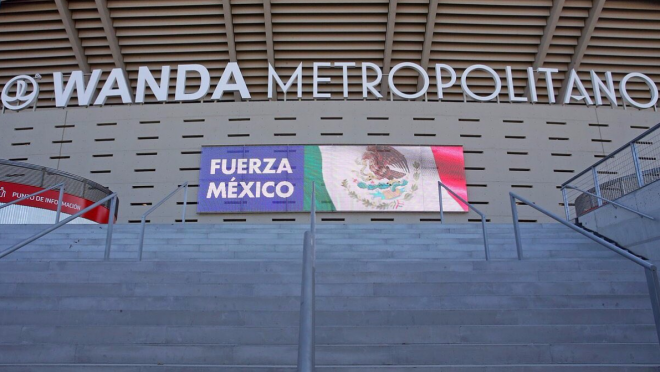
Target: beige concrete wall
pixel 552 142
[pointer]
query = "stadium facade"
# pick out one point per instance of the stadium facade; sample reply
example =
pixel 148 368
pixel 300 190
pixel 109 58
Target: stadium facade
pixel 366 99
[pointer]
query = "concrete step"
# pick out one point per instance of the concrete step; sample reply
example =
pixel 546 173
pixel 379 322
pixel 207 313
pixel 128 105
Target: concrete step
pixel 389 297
pixel 225 368
pixel 357 288
pixel 327 303
pixel 284 242
pixel 324 266
pixel 427 354
pixel 289 318
pixel 323 277
pixel 214 256
pixel 119 245
pixel 330 335
pixel 444 368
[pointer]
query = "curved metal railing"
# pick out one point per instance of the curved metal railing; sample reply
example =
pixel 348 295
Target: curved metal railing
pixel 40 176
pixel 649 268
pixel 483 216
pixel 143 221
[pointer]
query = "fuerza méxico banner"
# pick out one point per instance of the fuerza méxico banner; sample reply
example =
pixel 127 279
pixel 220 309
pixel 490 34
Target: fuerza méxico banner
pixel 347 178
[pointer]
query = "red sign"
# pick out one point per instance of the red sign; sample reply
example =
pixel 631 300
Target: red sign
pixel 48 200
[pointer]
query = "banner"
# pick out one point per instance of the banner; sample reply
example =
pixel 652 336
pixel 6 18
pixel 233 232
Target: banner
pixel 48 201
pixel 348 178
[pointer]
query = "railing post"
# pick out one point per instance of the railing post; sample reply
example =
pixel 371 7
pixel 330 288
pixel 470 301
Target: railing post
pixel 185 202
pixel 638 168
pixel 306 334
pixel 111 223
pixel 486 246
pixel 59 204
pixel 516 227
pixel 566 207
pixel 442 214
pixel 141 245
pixel 594 172
pixel 654 292
pixel 312 212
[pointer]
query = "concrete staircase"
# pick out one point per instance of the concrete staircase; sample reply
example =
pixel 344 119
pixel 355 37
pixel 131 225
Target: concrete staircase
pixel 389 298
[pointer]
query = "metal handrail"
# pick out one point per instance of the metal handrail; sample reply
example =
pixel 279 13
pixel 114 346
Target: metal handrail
pixel 108 240
pixel 147 213
pixel 306 331
pixel 609 201
pixel 59 200
pixel 483 216
pixel 649 268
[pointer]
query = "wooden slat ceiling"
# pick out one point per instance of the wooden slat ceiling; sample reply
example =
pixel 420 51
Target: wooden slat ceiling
pixel 497 33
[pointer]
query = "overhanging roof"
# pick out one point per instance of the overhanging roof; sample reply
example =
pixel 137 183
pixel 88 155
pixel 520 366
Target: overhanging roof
pixel 37 36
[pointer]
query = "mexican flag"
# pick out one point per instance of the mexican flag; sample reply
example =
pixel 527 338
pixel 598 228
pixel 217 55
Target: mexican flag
pixel 384 178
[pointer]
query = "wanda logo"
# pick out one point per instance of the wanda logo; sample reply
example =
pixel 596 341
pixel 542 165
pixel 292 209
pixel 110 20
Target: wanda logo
pixel 20 92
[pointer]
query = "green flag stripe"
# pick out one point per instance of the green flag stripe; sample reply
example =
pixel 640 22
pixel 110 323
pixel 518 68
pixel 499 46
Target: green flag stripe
pixel 314 173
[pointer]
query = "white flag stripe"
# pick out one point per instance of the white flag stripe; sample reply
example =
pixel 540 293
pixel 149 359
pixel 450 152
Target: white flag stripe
pixel 348 177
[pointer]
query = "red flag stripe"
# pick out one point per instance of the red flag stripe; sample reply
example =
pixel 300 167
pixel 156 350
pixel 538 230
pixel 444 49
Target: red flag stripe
pixel 451 169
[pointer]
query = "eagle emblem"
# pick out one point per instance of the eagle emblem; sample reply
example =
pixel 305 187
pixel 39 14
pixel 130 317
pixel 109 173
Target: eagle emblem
pixel 383 178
